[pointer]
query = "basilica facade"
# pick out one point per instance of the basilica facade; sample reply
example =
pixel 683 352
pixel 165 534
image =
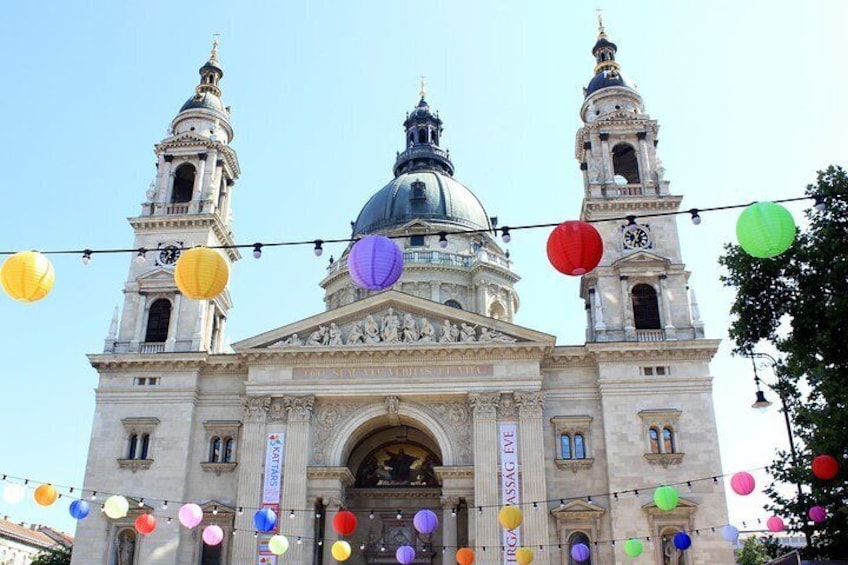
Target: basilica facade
pixel 426 395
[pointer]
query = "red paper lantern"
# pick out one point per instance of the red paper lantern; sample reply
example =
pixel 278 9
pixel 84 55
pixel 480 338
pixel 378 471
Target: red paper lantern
pixel 145 524
pixel 575 248
pixel 344 523
pixel 742 483
pixel 825 467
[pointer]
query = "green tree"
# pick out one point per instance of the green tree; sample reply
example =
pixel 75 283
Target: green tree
pixel 53 556
pixel 752 552
pixel 798 302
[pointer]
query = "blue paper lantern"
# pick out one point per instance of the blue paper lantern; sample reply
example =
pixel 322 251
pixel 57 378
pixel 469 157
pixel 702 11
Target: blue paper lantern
pixel 265 519
pixel 682 541
pixel 730 533
pixel 425 521
pixel 375 262
pixel 79 509
pixel 580 552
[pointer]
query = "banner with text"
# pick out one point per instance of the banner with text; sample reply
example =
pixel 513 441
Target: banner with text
pixel 508 436
pixel 272 488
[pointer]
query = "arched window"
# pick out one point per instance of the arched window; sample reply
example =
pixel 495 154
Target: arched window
pixel 497 311
pixel 671 555
pixel 654 438
pixel 574 539
pixel 145 446
pixel 422 135
pixel 565 446
pixel 132 446
pixel 183 183
pixel 579 447
pixel 668 440
pixel 646 310
pixel 158 319
pixel 215 450
pixel 211 554
pixel 453 304
pixel 625 163
pixel 229 450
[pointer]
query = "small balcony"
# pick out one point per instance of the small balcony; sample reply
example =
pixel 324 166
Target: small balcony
pixel 152 347
pixel 650 335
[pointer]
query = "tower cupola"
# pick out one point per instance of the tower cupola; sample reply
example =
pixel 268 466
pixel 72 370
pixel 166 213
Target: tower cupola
pixel 423 132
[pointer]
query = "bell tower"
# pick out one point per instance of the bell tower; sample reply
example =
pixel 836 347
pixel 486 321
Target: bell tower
pixel 639 292
pixel 188 204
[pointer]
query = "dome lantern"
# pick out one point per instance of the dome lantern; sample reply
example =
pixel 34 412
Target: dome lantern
pixel 423 130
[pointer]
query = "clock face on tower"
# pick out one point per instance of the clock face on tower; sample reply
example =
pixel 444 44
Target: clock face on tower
pixel 169 254
pixel 636 238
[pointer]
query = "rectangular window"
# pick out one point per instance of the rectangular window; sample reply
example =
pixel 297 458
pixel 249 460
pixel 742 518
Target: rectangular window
pixel 416 241
pixel 660 371
pixel 648 371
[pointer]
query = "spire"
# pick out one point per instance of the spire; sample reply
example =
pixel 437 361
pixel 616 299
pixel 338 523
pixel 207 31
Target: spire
pixel 423 133
pixel 601 32
pixel 211 72
pixel 423 92
pixel 604 50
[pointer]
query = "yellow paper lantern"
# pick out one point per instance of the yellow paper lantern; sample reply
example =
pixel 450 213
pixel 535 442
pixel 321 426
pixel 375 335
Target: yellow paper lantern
pixel 340 550
pixel 45 495
pixel 201 273
pixel 510 517
pixel 27 276
pixel 524 555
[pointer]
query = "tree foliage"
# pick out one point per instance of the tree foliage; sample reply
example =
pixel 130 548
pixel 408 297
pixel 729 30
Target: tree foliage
pixel 53 556
pixel 798 302
pixel 758 550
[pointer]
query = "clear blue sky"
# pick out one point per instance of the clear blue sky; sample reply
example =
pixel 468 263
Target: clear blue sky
pixel 750 96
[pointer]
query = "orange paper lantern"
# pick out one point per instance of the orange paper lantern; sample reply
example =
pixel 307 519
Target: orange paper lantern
pixel 45 495
pixel 465 556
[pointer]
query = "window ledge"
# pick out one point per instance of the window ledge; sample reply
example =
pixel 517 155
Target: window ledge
pixel 664 459
pixel 135 464
pixel 218 468
pixel 575 464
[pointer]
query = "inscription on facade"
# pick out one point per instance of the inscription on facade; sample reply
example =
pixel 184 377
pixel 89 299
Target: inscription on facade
pixel 477 370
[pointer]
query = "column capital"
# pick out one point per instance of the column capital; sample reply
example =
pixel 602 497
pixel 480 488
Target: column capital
pixel 530 404
pixel 256 408
pixel 507 406
pixel 484 404
pixel 449 502
pixel 277 413
pixel 299 407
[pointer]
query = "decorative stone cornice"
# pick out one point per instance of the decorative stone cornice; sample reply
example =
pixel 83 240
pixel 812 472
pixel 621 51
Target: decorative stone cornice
pixel 256 408
pixel 299 407
pixel 135 464
pixel 187 222
pixel 341 474
pixel 664 459
pixel 464 472
pixel 219 468
pixel 391 494
pixel 484 404
pixel 575 465
pixel 369 355
pixel 530 404
pixel 449 502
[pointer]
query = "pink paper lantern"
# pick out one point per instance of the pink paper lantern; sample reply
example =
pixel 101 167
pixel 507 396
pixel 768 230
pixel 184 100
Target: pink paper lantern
pixel 213 535
pixel 375 262
pixel 742 483
pixel 817 514
pixel 190 515
pixel 775 524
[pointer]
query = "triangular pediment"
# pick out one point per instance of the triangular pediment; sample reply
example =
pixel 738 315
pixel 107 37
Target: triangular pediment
pixel 394 319
pixel 641 262
pixel 578 509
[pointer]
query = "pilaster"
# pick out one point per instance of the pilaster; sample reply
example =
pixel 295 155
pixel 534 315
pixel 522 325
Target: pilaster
pixel 484 407
pixel 531 447
pixel 249 476
pixel 299 409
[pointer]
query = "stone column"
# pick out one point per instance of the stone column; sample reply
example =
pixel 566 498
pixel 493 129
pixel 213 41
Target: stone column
pixel 299 410
pixel 210 170
pixel 627 310
pixel 606 162
pixel 449 531
pixel 435 288
pixel 486 492
pixel 171 341
pixel 197 190
pixel 166 183
pixel 249 493
pixel 670 333
pixel 481 298
pixel 531 447
pixel 644 162
pixel 138 334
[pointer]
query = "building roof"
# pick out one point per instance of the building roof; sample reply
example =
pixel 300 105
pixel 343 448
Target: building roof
pixel 35 535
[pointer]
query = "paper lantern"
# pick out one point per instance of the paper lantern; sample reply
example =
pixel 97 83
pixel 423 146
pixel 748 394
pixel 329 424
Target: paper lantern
pixel 633 547
pixel 344 522
pixel 775 524
pixel 278 544
pixel 213 535
pixel 742 483
pixel 524 556
pixel 510 517
pixel 580 552
pixel 201 273
pixel 13 493
pixel 817 514
pixel 405 555
pixel 116 506
pixel 825 467
pixel 730 533
pixel 425 521
pixel 666 498
pixel 145 524
pixel 765 229
pixel 265 519
pixel 465 556
pixel 190 515
pixel 682 541
pixel 340 550
pixel 27 276
pixel 575 248
pixel 45 495
pixel 79 509
pixel 375 262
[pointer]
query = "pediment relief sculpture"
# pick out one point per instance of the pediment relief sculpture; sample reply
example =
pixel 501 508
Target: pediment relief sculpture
pixel 393 327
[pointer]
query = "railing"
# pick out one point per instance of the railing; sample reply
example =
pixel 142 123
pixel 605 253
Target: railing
pixel 432 257
pixel 181 208
pixel 650 335
pixel 630 190
pixel 152 348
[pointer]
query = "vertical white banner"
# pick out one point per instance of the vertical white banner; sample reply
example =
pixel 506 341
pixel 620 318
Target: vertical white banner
pixel 272 488
pixel 510 493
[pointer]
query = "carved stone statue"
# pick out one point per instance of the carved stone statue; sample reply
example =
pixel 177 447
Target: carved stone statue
pixel 389 329
pixel 355 336
pixel 318 337
pixel 410 329
pixel 125 549
pixel 335 335
pixel 293 339
pixel 428 332
pixel 450 333
pixel 372 332
pixel 467 333
pixel 489 335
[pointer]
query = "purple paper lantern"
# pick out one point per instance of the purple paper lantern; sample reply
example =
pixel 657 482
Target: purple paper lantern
pixel 817 514
pixel 580 552
pixel 425 521
pixel 375 262
pixel 265 519
pixel 682 541
pixel 405 555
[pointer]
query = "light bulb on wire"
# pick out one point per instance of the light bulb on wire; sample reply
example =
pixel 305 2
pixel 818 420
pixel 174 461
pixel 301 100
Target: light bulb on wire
pixel 86 256
pixel 257 250
pixel 319 247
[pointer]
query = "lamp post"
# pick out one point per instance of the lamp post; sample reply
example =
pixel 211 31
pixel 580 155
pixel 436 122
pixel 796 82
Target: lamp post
pixel 761 404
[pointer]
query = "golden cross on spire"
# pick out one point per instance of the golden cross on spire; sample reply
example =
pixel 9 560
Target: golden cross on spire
pixel 423 87
pixel 215 42
pixel 601 32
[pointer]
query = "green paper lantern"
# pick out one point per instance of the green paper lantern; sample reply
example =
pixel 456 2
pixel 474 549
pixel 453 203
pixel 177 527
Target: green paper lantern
pixel 666 498
pixel 765 229
pixel 633 547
